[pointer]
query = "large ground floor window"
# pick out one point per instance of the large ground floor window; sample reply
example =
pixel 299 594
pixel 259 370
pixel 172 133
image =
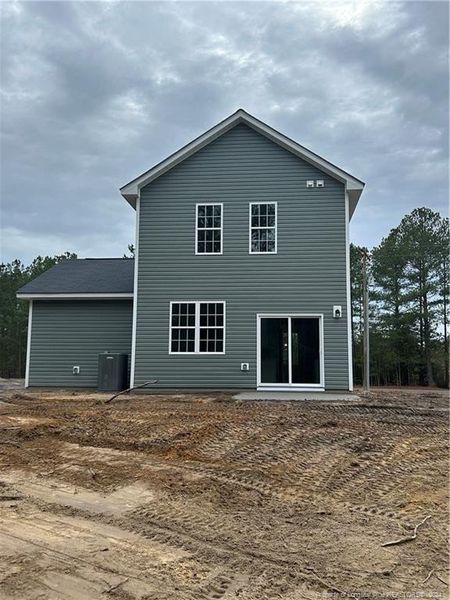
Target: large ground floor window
pixel 197 328
pixel 290 350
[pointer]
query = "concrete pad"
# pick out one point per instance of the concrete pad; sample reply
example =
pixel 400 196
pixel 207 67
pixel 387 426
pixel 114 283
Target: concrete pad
pixel 297 396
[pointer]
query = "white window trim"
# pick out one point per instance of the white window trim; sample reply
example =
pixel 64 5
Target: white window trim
pixel 250 227
pixel 197 327
pixel 315 387
pixel 209 228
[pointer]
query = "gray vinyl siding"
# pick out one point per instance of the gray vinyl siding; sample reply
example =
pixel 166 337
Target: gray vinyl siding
pixel 307 275
pixel 65 333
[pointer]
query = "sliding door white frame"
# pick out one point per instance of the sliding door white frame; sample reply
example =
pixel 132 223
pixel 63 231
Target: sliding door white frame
pixel 315 387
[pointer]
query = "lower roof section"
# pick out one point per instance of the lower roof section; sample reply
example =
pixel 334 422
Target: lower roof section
pixel 89 278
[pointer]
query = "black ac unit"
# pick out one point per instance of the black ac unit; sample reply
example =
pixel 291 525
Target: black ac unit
pixel 112 372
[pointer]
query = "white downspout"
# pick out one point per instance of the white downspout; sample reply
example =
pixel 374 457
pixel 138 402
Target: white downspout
pixel 135 293
pixel 30 325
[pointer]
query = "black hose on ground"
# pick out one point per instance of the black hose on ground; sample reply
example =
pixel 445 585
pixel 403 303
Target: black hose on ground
pixel 136 387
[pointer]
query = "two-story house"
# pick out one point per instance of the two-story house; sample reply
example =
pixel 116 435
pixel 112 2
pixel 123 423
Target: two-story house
pixel 241 277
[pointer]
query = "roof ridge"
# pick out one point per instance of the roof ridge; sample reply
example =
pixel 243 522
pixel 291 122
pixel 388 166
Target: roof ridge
pixel 354 186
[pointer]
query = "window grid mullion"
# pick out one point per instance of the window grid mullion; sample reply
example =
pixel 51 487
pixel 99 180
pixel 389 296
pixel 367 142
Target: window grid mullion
pixel 204 244
pixel 255 210
pixel 197 328
pixel 211 338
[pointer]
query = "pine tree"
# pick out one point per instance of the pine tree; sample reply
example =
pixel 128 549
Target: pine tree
pixel 389 269
pixel 420 237
pixel 444 277
pixel 356 253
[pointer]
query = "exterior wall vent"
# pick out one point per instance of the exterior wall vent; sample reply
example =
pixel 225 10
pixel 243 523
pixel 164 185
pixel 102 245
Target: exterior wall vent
pixel 310 183
pixel 337 311
pixel 320 183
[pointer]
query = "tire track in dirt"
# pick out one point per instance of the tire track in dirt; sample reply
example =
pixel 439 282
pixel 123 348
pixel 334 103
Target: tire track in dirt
pixel 256 497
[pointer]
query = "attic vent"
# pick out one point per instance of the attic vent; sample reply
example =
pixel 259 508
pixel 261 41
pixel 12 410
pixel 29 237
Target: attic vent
pixel 309 183
pixel 320 183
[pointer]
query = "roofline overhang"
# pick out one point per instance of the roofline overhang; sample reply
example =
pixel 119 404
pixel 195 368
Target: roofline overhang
pixel 56 296
pixel 354 186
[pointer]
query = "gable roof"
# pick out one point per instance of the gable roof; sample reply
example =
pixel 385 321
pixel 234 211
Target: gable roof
pixel 85 278
pixel 354 186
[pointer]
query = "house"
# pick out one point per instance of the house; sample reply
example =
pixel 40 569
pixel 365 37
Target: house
pixel 241 276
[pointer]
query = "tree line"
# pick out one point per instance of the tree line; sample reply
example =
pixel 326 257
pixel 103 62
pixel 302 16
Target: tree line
pixel 409 304
pixel 14 312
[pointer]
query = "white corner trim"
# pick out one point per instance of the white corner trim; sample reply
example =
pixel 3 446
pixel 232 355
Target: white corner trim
pixel 28 359
pixel 73 296
pixel 349 293
pixel 135 293
pixel 130 191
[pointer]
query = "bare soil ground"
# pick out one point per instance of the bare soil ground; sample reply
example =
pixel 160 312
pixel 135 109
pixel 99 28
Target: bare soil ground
pixel 168 497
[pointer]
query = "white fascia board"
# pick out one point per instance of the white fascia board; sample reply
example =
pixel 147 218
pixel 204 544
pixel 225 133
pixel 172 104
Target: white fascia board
pixel 72 296
pixel 354 186
pixel 130 191
pixel 304 153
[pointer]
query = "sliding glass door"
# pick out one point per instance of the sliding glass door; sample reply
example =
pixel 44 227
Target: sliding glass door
pixel 290 350
pixel 274 351
pixel 305 350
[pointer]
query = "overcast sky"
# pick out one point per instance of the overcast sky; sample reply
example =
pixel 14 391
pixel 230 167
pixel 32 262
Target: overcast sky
pixel 93 94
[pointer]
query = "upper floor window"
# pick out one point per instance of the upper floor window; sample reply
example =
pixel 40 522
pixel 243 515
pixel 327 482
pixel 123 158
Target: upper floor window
pixel 208 229
pixel 263 228
pixel 197 328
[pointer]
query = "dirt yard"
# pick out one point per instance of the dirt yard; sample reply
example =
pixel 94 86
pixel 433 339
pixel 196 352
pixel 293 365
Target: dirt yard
pixel 204 497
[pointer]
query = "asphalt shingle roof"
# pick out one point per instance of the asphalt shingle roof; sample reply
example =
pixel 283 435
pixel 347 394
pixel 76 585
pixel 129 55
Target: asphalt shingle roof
pixel 85 276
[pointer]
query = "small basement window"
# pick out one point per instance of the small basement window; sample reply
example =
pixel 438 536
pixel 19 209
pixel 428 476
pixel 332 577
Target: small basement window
pixel 208 229
pixel 263 228
pixel 197 328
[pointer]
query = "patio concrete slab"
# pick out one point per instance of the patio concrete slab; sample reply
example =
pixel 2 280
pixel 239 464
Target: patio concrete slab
pixel 297 396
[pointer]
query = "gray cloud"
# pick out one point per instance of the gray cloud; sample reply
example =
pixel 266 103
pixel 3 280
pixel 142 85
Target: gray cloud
pixel 95 93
